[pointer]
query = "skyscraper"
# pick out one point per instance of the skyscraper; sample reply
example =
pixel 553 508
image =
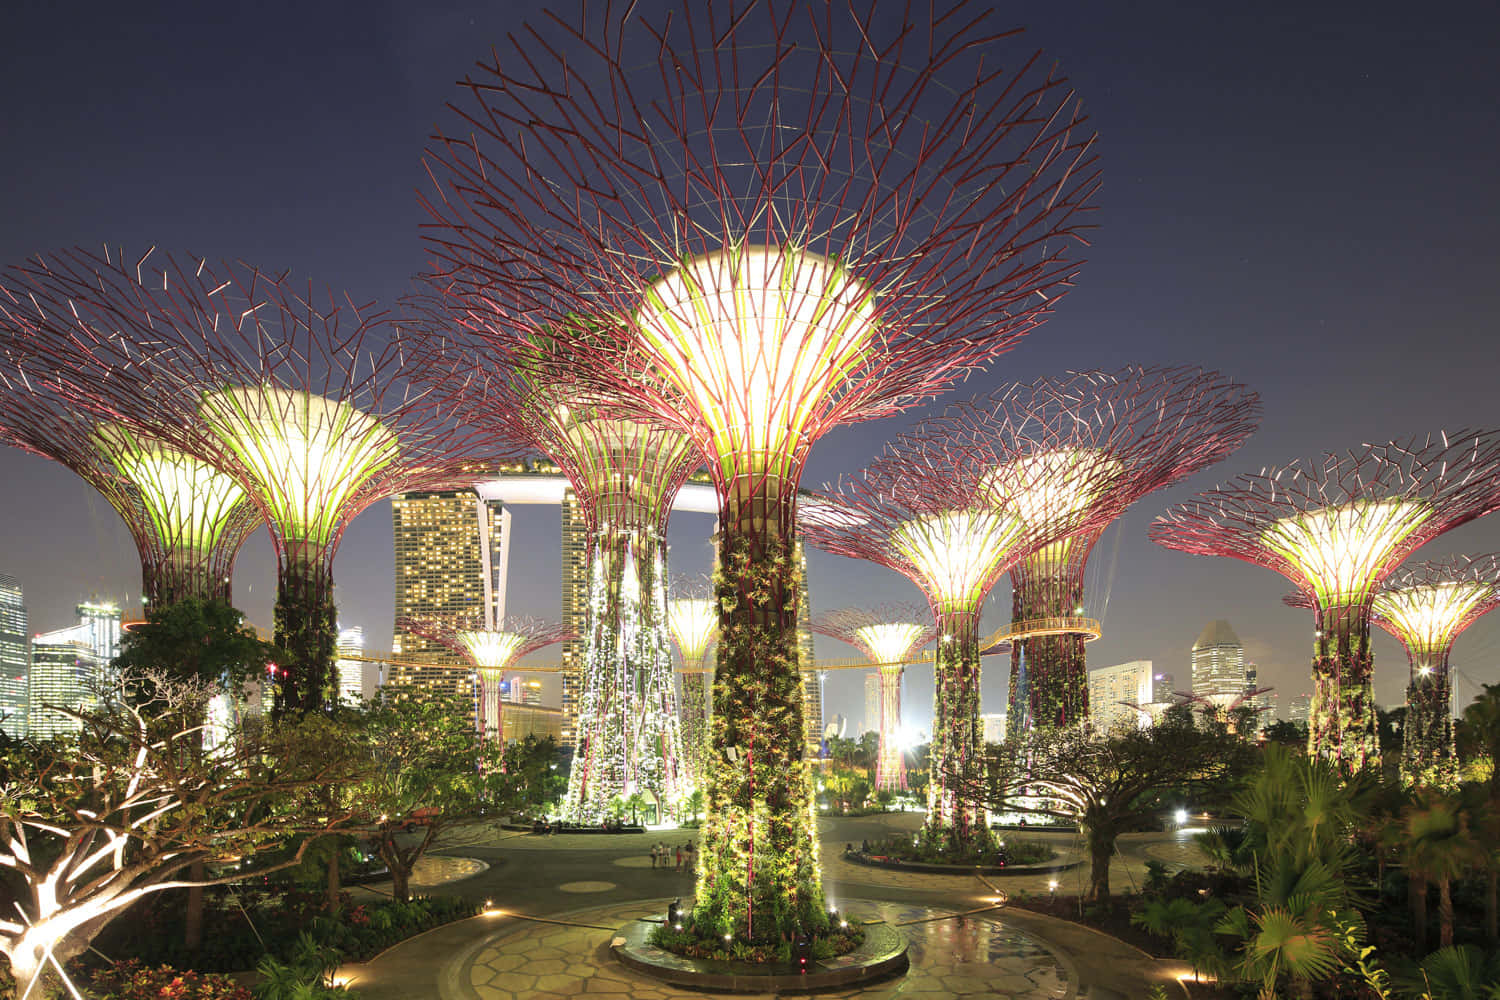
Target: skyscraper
pixel 1218 662
pixel 575 599
pixel 872 702
pixel 452 549
pixel 812 678
pixel 1132 682
pixel 13 657
pixel 1163 686
pixel 63 672
pixel 351 673
pixel 102 622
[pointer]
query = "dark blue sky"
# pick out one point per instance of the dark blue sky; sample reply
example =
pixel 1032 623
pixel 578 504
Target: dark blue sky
pixel 1305 199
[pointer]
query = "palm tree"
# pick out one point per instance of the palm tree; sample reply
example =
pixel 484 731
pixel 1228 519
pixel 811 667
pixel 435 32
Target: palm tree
pixel 694 803
pixel 1462 973
pixel 635 803
pixel 1439 846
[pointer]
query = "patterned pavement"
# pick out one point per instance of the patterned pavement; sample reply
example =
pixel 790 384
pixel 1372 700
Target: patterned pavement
pixel 950 956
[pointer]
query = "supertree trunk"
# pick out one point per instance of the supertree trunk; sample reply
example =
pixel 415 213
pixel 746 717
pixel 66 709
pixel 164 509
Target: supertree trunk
pixel 491 714
pixel 1049 584
pixel 1341 722
pixel 306 631
pixel 758 872
pixel 628 736
pixel 176 577
pixel 1428 755
pixel 890 772
pixel 956 736
pixel 695 719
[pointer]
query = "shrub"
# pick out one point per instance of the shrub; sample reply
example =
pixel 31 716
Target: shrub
pixel 130 980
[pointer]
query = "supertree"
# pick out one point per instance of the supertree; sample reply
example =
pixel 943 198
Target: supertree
pixel 1336 527
pixel 694 622
pixel 797 233
pixel 927 511
pixel 889 635
pixel 1426 607
pixel 187 519
pixel 626 473
pixel 489 651
pixel 1117 436
pixel 308 404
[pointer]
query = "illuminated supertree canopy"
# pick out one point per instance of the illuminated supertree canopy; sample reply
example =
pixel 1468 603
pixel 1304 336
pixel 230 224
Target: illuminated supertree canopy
pixel 490 651
pixel 889 635
pixel 626 473
pixel 187 519
pixel 1069 455
pixel 930 513
pixel 1336 527
pixel 796 233
pixel 1426 607
pixel 307 403
pixel 694 622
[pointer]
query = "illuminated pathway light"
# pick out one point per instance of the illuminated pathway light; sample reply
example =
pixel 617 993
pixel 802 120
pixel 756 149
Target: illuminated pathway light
pixel 490 651
pixel 1337 528
pixel 785 256
pixel 888 635
pixel 306 401
pixel 1068 455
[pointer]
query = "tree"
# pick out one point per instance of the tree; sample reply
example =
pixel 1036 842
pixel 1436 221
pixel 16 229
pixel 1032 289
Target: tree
pixel 1478 736
pixel 1106 783
pixel 1300 816
pixel 693 804
pixel 531 764
pixel 428 774
pixel 91 824
pixel 1289 734
pixel 199 640
pixel 1438 846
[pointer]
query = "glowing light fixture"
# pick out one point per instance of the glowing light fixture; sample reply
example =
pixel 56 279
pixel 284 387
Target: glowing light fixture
pixel 191 503
pixel 1339 551
pixel 957 552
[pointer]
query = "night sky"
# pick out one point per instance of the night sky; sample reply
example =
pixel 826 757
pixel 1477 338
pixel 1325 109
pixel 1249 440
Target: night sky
pixel 1305 200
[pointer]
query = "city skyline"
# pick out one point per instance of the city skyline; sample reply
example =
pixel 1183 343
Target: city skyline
pixel 1275 268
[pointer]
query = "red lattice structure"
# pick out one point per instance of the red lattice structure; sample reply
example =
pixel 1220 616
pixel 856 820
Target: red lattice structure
pixel 888 635
pixel 928 511
pixel 1336 527
pixel 625 473
pixel 188 521
pixel 1426 607
pixel 489 651
pixel 799 217
pixel 1120 435
pixel 693 619
pixel 306 400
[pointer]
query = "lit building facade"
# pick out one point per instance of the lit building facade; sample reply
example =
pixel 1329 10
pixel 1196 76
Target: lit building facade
pixel 1218 662
pixel 452 549
pixel 1298 708
pixel 1163 686
pixel 1111 688
pixel 351 672
pixel 63 672
pixel 575 604
pixel 994 726
pixel 101 622
pixel 872 703
pixel 14 657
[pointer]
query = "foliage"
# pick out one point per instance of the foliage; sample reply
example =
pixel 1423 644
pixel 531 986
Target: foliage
pixel 1108 783
pixel 92 824
pixel 306 974
pixel 196 639
pixel 935 850
pixel 130 980
pixel 689 943
pixel 537 783
pixel 425 775
pixel 1461 973
pixel 1190 926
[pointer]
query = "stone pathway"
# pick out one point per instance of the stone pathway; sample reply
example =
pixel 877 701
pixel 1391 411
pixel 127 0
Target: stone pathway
pixel 429 872
pixel 979 955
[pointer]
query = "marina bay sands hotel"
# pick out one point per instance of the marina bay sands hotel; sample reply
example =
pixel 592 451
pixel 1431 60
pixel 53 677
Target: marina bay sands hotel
pixel 452 559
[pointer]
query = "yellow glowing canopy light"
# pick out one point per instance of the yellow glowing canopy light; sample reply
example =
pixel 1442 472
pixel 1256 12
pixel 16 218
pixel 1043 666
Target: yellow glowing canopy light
pixel 1053 488
pixel 756 337
pixel 1427 618
pixel 309 454
pixel 889 642
pixel 957 552
pixel 490 650
pixel 188 501
pixel 1338 550
pixel 694 623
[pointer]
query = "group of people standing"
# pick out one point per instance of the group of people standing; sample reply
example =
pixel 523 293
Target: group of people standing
pixel 662 856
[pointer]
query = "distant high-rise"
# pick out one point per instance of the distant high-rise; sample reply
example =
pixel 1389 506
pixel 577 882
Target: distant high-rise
pixel 63 673
pixel 452 550
pixel 575 601
pixel 351 672
pixel 102 620
pixel 812 678
pixel 1109 687
pixel 1298 709
pixel 1218 662
pixel 994 726
pixel 872 702
pixel 1163 686
pixel 13 657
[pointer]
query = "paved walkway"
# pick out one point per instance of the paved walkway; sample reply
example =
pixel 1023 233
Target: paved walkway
pixel 560 898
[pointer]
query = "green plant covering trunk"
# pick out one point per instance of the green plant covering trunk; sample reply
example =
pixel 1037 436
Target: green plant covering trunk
pixel 629 739
pixel 1341 722
pixel 695 720
pixel 957 738
pixel 1056 692
pixel 758 872
pixel 307 633
pixel 1428 754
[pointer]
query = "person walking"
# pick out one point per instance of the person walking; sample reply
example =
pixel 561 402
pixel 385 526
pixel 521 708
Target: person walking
pixel 653 855
pixel 679 859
